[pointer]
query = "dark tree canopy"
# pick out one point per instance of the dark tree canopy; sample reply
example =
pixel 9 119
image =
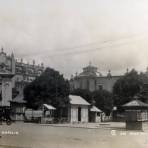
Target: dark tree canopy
pixel 100 98
pixel 50 88
pixel 84 93
pixel 103 100
pixel 127 87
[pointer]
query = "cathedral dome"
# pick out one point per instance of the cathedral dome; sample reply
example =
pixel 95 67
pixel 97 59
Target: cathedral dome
pixel 90 71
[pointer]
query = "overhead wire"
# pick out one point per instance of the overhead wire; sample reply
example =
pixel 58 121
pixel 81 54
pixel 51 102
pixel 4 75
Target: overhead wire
pixel 103 45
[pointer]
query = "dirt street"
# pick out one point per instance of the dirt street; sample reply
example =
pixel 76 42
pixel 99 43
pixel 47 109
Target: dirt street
pixel 113 135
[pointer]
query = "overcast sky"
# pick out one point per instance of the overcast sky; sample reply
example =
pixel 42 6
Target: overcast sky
pixel 67 34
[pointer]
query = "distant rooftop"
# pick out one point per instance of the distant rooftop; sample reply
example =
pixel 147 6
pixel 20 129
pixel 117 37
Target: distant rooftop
pixel 3 53
pixel 90 71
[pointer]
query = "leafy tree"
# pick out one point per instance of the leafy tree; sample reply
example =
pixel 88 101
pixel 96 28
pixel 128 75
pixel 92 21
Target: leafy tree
pixel 50 87
pixel 103 100
pixel 127 87
pixel 84 93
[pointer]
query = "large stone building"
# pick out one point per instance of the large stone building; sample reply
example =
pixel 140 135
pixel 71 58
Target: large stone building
pixel 15 75
pixel 23 72
pixel 92 80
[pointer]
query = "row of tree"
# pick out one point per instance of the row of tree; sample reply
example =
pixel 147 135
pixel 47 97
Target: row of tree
pixel 49 88
pixel 52 88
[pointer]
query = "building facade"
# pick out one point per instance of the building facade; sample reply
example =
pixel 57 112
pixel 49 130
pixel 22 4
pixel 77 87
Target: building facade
pixel 92 80
pixel 15 76
pixel 24 73
pixel 5 88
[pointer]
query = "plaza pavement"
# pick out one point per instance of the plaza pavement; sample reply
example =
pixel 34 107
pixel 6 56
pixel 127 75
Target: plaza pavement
pixel 89 125
pixel 103 135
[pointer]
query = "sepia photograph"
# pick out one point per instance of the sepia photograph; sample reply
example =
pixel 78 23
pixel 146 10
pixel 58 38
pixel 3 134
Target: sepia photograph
pixel 73 74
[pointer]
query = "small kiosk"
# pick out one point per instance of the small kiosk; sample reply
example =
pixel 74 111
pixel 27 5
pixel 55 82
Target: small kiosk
pixel 45 114
pixel 78 110
pixel 48 113
pixel 95 114
pixel 136 112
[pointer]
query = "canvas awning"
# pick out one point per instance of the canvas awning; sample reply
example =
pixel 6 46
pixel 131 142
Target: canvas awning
pixel 49 107
pixel 95 109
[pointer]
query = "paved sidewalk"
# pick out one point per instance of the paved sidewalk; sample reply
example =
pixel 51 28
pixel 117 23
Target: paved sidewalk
pixel 90 125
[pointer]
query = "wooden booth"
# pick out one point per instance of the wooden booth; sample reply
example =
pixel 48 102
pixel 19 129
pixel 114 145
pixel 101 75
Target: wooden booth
pixel 18 106
pixel 45 114
pixel 48 113
pixel 136 112
pixel 95 114
pixel 78 109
